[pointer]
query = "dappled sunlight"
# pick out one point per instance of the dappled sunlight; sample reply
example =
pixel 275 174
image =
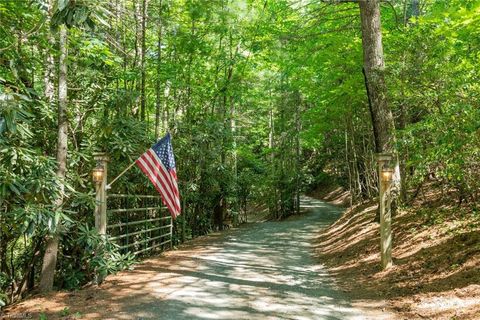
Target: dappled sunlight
pixel 435 269
pixel 263 271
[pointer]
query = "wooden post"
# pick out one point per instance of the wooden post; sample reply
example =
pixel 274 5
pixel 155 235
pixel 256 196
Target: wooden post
pixel 101 195
pixel 171 233
pixel 385 181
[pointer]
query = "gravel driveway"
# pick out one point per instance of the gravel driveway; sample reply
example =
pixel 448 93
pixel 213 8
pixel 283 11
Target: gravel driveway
pixel 260 271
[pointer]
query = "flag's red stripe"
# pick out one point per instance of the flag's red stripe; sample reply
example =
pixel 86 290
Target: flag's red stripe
pixel 156 183
pixel 165 182
pixel 154 162
pixel 156 166
pixel 173 174
pixel 165 200
pixel 153 177
pixel 162 187
pixel 165 189
pixel 175 190
pixel 167 176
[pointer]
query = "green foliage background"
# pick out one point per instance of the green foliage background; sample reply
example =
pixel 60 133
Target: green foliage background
pixel 239 83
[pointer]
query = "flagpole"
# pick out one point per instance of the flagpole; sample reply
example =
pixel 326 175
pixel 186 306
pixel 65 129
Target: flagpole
pixel 121 174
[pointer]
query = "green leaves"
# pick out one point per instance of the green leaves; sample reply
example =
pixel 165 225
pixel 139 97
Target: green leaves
pixel 100 254
pixel 78 13
pixel 228 79
pixel 433 78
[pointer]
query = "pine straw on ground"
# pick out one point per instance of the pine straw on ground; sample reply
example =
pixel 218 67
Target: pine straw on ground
pixel 436 254
pixel 107 300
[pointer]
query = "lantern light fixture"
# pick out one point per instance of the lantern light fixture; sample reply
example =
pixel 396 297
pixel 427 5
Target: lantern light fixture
pixel 387 173
pixel 385 164
pixel 97 174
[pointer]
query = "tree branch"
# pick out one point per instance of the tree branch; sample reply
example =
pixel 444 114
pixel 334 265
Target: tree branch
pixel 28 34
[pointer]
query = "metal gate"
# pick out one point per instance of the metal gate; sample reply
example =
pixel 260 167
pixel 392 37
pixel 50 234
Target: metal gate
pixel 138 223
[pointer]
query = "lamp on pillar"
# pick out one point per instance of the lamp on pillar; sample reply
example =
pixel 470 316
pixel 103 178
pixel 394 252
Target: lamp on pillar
pixel 385 173
pixel 99 177
pixel 97 174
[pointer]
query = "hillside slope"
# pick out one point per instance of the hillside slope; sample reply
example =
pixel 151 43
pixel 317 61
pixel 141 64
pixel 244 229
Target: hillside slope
pixel 436 252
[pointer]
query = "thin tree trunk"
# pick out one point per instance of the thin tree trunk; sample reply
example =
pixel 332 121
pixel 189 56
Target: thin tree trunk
pixel 124 109
pixel 166 112
pixel 297 153
pixel 142 60
pixel 233 131
pixel 349 171
pixel 50 256
pixel 49 90
pixel 402 121
pixel 117 38
pixel 189 70
pixel 137 60
pixel 415 8
pixel 158 80
pixel 271 127
pixel 48 81
pixel 356 164
pixel 271 144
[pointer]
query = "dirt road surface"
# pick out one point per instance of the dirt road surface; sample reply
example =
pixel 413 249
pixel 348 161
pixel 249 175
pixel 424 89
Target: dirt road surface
pixel 259 271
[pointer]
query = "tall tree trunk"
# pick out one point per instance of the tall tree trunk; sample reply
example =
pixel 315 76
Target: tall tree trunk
pixel 298 128
pixel 142 60
pixel 271 127
pixel 402 120
pixel 158 80
pixel 349 170
pixel 124 109
pixel 415 8
pixel 189 70
pixel 137 60
pixel 50 256
pixel 273 206
pixel 117 38
pixel 374 68
pixel 49 90
pixel 233 131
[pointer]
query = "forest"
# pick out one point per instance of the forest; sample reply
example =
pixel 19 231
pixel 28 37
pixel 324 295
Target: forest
pixel 265 100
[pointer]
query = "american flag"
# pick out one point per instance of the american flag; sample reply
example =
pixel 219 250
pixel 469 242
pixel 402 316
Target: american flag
pixel 158 164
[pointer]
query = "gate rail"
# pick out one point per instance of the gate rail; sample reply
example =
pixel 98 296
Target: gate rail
pixel 140 228
pixel 136 222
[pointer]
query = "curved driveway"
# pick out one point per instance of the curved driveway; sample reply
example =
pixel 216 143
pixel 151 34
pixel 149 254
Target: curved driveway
pixel 261 271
